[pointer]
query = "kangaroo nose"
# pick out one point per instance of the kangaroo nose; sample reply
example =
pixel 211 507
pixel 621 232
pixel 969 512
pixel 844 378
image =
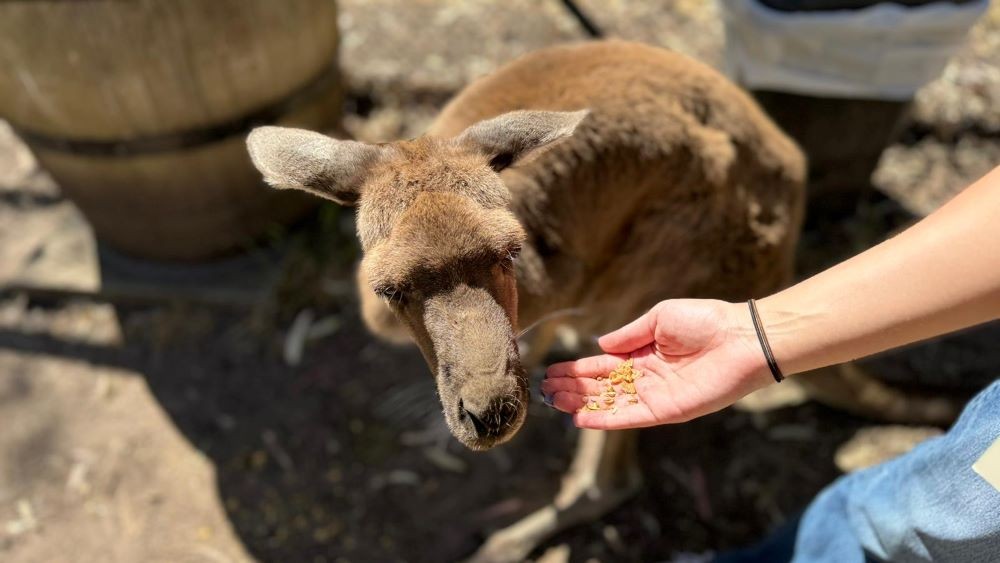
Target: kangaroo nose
pixel 490 418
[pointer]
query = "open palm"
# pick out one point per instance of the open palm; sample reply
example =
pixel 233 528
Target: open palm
pixel 696 357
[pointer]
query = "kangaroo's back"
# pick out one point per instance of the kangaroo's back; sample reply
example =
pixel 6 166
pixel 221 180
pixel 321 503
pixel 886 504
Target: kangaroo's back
pixel 642 96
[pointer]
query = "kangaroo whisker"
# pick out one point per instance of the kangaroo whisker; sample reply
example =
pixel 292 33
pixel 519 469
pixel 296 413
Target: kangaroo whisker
pixel 570 311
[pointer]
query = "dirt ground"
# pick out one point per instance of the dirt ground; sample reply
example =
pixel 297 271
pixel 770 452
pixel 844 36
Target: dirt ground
pixel 178 431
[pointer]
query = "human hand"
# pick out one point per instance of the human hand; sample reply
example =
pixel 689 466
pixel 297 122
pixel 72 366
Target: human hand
pixel 697 356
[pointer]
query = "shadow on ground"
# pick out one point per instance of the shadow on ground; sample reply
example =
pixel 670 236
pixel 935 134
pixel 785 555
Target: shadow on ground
pixel 310 466
pixel 345 456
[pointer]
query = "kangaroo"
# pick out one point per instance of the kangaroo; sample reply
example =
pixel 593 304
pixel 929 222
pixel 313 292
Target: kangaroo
pixel 605 176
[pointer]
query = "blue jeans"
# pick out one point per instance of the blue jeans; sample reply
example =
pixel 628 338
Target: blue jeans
pixel 926 505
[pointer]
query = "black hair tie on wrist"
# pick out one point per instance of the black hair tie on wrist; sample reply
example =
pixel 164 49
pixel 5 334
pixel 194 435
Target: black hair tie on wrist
pixel 757 326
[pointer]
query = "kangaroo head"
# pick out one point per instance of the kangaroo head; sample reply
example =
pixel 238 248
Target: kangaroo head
pixel 439 245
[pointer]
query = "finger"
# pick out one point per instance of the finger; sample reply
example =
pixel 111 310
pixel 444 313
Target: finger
pixel 632 336
pixel 568 401
pixel 580 385
pixel 593 366
pixel 631 416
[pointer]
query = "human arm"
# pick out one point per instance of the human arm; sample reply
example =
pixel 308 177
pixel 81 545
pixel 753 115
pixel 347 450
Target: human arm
pixel 941 275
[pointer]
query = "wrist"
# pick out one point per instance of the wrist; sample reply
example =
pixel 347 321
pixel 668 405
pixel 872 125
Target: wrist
pixel 749 345
pixel 795 330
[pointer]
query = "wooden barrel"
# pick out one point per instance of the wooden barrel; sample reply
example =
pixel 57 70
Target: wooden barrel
pixel 139 110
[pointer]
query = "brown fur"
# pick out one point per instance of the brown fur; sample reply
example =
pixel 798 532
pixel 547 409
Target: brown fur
pixel 675 184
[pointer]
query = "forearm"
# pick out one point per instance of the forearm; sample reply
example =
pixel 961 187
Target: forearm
pixel 942 274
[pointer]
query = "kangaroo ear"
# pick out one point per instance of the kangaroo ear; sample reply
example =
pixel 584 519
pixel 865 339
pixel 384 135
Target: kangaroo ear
pixel 296 158
pixel 508 137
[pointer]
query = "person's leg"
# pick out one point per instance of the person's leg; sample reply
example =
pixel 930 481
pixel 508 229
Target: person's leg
pixel 843 139
pixel 838 77
pixel 927 505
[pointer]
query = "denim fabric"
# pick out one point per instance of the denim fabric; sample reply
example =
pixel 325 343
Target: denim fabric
pixel 927 505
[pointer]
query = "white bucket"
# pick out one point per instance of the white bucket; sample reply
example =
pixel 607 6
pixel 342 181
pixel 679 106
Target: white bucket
pixel 886 51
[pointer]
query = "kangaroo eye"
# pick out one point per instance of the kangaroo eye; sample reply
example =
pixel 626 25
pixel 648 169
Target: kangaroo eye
pixel 391 295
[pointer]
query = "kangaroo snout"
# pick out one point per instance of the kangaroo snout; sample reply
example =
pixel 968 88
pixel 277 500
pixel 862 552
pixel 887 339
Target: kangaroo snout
pixel 492 407
pixel 481 384
pixel 485 403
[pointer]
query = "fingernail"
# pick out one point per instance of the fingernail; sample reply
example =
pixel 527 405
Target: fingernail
pixel 547 399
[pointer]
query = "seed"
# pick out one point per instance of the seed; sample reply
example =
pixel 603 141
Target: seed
pixel 614 410
pixel 624 376
pixel 633 401
pixel 609 400
pixel 593 406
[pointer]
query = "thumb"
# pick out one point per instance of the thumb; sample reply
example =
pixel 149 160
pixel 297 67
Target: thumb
pixel 630 337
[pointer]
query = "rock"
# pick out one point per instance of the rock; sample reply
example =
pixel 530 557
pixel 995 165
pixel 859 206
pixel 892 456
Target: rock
pixel 873 445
